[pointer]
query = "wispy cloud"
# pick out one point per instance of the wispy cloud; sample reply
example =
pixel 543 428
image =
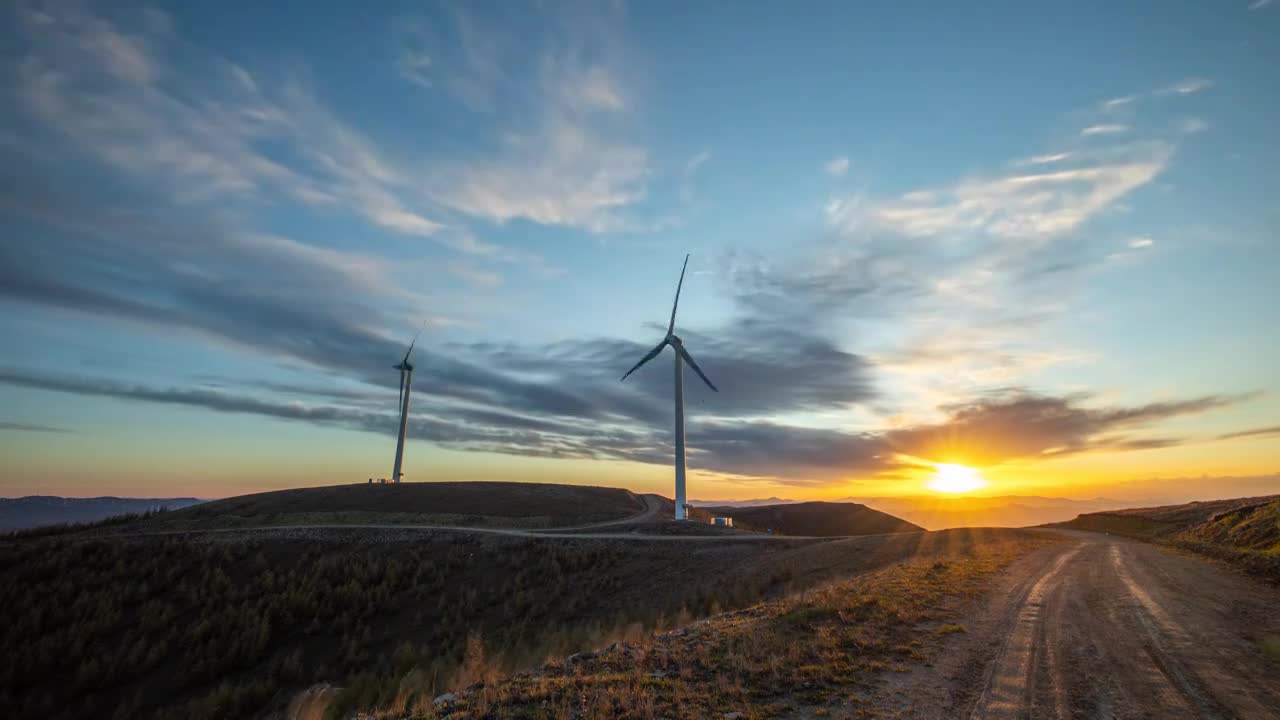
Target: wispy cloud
pixel 547 421
pixel 1256 432
pixel 1190 86
pixel 1141 242
pixel 837 167
pixel 559 112
pixel 414 58
pixel 29 427
pixel 1104 129
pixel 1044 159
pixel 1259 4
pixel 1034 205
pixel 205 141
pixel 1191 126
pixel 1129 104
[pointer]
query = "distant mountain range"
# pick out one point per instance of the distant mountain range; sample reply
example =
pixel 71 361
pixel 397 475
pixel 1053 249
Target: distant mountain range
pixel 940 513
pixel 41 510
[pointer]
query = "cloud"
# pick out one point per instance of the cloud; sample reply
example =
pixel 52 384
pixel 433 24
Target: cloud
pixel 555 91
pixel 1191 126
pixel 1256 432
pixel 1190 86
pixel 414 58
pixel 1044 159
pixel 154 267
pixel 980 268
pixel 1026 205
pixel 837 167
pixel 1104 129
pixel 563 173
pixel 1141 242
pixel 691 169
pixel 1022 425
pixel 1259 4
pixel 1129 103
pixel 696 162
pixel 28 427
pixel 549 422
pixel 204 142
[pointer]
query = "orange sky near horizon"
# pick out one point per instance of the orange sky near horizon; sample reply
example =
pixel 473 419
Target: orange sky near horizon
pixel 129 463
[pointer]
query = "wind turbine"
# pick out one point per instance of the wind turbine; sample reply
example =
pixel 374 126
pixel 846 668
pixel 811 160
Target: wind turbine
pixel 680 355
pixel 406 385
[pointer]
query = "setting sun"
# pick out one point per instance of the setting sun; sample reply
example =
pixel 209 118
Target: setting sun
pixel 951 478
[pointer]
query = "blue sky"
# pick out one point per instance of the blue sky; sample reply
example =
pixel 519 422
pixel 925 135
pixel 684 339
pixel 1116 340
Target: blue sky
pixel 1040 240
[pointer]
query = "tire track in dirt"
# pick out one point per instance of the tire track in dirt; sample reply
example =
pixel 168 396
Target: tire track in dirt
pixel 1164 638
pixel 1009 685
pixel 1101 627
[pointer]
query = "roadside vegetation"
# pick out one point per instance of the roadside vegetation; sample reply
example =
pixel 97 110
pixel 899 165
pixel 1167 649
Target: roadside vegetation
pixel 811 654
pixel 1244 532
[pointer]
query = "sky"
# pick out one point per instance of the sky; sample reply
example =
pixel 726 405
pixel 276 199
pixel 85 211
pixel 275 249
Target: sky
pixel 1035 240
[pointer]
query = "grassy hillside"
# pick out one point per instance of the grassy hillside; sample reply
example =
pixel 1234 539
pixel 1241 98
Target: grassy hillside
pixel 823 519
pixel 1244 531
pixel 1252 527
pixel 530 505
pixel 809 654
pixel 229 624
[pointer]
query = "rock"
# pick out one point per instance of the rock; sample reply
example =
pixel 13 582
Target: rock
pixel 445 699
pixel 732 716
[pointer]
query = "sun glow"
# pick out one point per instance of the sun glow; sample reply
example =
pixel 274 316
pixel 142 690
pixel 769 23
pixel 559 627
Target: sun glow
pixel 950 478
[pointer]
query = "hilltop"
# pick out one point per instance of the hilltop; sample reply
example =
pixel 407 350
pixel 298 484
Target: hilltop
pixel 35 511
pixel 1244 531
pixel 822 519
pixel 478 504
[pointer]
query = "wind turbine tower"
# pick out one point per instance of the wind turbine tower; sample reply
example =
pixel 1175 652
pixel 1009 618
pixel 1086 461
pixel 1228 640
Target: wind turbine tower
pixel 406 385
pixel 681 356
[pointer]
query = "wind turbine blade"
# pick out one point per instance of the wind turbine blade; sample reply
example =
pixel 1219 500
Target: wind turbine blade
pixel 689 359
pixel 409 352
pixel 672 325
pixel 652 354
pixel 400 407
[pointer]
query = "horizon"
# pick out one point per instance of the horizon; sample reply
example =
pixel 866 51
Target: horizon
pixel 1046 272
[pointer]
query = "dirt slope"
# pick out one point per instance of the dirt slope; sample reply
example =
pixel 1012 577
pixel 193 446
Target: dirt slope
pixel 823 519
pixel 1105 627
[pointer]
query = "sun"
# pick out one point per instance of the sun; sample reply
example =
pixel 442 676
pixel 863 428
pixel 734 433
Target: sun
pixel 951 478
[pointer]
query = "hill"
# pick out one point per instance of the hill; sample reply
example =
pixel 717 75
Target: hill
pixel 936 512
pixel 36 511
pixel 1244 531
pixel 234 624
pixel 480 504
pixel 821 519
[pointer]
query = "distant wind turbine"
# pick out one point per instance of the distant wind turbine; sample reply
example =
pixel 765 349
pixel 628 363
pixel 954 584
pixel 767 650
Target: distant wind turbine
pixel 406 385
pixel 681 355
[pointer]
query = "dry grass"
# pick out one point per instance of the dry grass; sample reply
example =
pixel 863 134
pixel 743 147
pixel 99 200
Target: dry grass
pixel 1244 532
pixel 817 650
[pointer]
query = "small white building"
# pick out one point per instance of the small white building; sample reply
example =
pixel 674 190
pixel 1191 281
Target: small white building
pixel 723 521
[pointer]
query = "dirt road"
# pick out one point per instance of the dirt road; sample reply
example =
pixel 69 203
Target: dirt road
pixel 1103 627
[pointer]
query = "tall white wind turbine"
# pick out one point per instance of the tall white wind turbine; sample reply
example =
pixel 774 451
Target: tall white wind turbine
pixel 681 356
pixel 406 385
